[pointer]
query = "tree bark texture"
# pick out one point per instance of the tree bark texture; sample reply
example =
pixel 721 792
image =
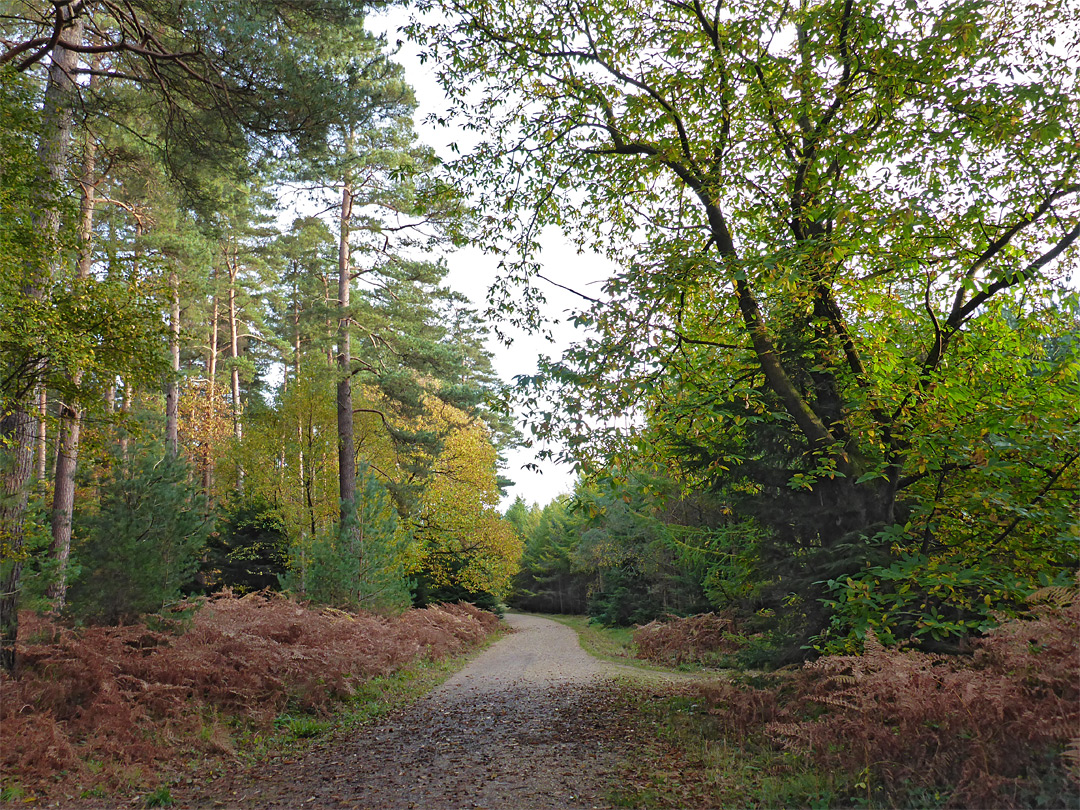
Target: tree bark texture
pixel 41 466
pixel 211 404
pixel 18 429
pixel 172 388
pixel 67 456
pixel 67 451
pixel 346 440
pixel 233 265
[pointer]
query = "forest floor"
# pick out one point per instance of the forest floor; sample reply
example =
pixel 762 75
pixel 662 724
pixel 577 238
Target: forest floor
pixel 533 722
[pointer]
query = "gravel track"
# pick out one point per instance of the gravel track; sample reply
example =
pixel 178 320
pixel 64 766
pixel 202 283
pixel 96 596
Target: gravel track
pixel 533 722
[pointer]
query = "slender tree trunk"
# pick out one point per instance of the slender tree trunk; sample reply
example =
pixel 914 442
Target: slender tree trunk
pixel 18 431
pixel 296 332
pixel 42 437
pixel 299 418
pixel 211 402
pixel 126 407
pixel 309 482
pixel 234 355
pixel 129 391
pixel 67 456
pixel 172 388
pixel 330 360
pixel 17 425
pixel 67 453
pixel 346 441
pixel 309 497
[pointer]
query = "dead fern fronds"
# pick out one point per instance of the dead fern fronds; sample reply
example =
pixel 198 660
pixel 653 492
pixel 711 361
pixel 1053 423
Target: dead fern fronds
pixel 692 639
pixel 978 728
pixel 1071 757
pixel 133 697
pixel 1055 595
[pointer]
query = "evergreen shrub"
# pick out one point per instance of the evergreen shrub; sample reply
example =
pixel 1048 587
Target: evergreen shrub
pixel 141 548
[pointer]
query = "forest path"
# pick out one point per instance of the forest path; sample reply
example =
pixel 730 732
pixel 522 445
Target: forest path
pixel 533 722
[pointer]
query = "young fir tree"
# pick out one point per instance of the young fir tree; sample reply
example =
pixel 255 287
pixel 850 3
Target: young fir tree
pixel 141 548
pixel 363 563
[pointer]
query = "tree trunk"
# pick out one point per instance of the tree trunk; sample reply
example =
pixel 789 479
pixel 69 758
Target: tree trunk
pixel 299 418
pixel 211 402
pixel 42 437
pixel 129 391
pixel 346 441
pixel 172 388
pixel 57 113
pixel 234 355
pixel 67 452
pixel 18 426
pixel 18 432
pixel 126 407
pixel 67 456
pixel 296 332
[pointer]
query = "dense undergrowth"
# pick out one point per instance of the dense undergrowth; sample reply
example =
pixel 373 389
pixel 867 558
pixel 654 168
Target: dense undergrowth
pixel 706 639
pixel 111 709
pixel 999 727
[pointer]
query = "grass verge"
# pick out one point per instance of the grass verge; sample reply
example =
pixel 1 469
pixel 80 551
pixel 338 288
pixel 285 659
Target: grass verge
pixel 616 645
pixel 889 728
pixel 681 759
pixel 684 760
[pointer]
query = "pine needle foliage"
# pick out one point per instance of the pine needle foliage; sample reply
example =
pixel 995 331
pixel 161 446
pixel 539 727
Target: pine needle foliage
pixel 140 549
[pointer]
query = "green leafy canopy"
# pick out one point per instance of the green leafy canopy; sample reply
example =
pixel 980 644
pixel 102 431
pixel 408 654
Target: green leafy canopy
pixel 844 229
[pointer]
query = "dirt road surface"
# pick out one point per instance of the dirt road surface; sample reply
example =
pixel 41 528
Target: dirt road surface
pixel 533 722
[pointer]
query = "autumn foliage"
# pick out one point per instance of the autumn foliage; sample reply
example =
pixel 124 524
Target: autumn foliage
pixel 96 704
pixel 998 728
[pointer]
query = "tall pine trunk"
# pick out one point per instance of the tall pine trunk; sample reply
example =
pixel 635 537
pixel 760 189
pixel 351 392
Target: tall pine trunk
pixel 42 461
pixel 172 388
pixel 211 402
pixel 18 431
pixel 301 480
pixel 346 441
pixel 67 453
pixel 127 406
pixel 233 265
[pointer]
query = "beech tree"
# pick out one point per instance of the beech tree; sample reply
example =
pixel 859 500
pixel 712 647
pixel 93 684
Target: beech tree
pixel 466 546
pixel 818 207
